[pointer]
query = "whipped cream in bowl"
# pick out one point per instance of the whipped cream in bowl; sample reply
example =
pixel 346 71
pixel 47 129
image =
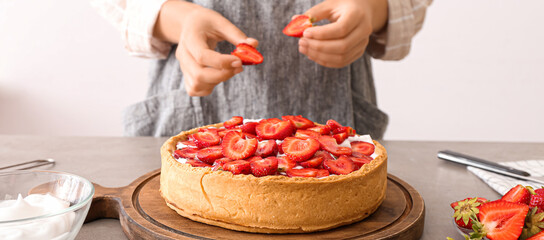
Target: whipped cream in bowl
pixel 43 204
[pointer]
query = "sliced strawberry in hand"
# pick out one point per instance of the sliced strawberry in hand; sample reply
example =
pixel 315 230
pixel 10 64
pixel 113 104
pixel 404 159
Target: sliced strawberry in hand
pixel 218 164
pixel 267 148
pixel 299 149
pixel 341 166
pixel 299 121
pixel 210 154
pixel 274 128
pixel 185 153
pixel 236 147
pixel 301 133
pixel 285 164
pixel 233 122
pixel 237 167
pixel 206 138
pixel 264 167
pixel 502 220
pixel 518 194
pixel 249 127
pixel 296 27
pixel 248 54
pixel 197 163
pixel 360 148
pixel 305 172
pixel 329 144
pixel 321 129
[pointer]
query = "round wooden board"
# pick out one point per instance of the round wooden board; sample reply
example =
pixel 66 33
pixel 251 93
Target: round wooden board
pixel 144 215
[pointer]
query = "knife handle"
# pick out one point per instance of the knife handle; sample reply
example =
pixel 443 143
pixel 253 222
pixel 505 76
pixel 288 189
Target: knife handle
pixel 477 162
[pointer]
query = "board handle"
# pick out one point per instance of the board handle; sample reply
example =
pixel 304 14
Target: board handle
pixel 106 203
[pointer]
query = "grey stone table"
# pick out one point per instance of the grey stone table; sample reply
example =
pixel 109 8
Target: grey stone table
pixel 117 161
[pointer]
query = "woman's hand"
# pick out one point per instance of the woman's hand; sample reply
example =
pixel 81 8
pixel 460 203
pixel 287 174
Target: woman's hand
pixel 344 40
pixel 197 30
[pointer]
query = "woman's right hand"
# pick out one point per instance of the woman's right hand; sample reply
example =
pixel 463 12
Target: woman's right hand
pixel 197 30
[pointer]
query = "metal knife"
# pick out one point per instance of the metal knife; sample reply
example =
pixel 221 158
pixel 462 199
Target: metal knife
pixel 486 165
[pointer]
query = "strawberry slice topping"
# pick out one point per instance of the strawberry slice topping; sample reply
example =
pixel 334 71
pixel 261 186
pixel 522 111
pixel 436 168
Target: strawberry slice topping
pixel 210 154
pixel 518 194
pixel 314 162
pixel 299 122
pixel 206 138
pixel 284 164
pixel 334 125
pixel 264 167
pixel 360 161
pixel 304 134
pixel 296 27
pixel 237 167
pixel 236 147
pixel 197 163
pixel 322 173
pixel 360 148
pixel 185 153
pixel 249 127
pixel 341 166
pixel 233 122
pixel 267 148
pixel 299 149
pixel 224 132
pixel 189 143
pixel 248 54
pixel 329 144
pixel 340 137
pixel 321 129
pixel 348 130
pixel 218 164
pixel 274 128
pixel 502 220
pixel 305 172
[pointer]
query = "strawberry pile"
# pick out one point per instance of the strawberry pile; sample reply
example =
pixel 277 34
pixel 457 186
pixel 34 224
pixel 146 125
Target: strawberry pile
pixel 519 214
pixel 293 146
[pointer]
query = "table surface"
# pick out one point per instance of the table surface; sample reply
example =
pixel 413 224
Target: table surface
pixel 117 161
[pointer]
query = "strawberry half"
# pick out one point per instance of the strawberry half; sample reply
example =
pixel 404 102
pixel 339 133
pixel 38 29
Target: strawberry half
pixel 233 122
pixel 360 148
pixel 299 122
pixel 210 154
pixel 267 148
pixel 274 128
pixel 249 127
pixel 465 209
pixel 236 147
pixel 237 167
pixel 185 153
pixel 296 27
pixel 518 194
pixel 206 138
pixel 305 172
pixel 502 220
pixel 538 236
pixel 341 166
pixel 248 54
pixel 329 144
pixel 299 149
pixel 285 164
pixel 264 167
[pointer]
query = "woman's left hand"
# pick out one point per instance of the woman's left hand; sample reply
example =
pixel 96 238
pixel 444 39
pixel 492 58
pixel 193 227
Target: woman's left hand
pixel 344 40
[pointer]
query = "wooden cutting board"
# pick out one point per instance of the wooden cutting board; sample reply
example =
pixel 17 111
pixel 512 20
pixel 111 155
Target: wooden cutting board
pixel 144 215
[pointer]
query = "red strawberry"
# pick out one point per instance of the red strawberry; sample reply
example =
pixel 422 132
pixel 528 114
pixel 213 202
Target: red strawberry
pixel 218 164
pixel 274 128
pixel 296 27
pixel 210 154
pixel 206 138
pixel 465 209
pixel 322 173
pixel 254 158
pixel 537 200
pixel 189 143
pixel 224 132
pixel 340 137
pixel 237 167
pixel 534 223
pixel 267 148
pixel 314 162
pixel 233 122
pixel 305 172
pixel 185 153
pixel 333 125
pixel 264 167
pixel 329 144
pixel 359 162
pixel 299 122
pixel 502 220
pixel 539 236
pixel 280 148
pixel 360 148
pixel 196 163
pixel 321 129
pixel 299 149
pixel 248 54
pixel 518 194
pixel 341 166
pixel 249 127
pixel 284 164
pixel 301 133
pixel 236 147
pixel 350 131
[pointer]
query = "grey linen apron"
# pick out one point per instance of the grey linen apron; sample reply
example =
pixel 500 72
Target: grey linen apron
pixel 286 83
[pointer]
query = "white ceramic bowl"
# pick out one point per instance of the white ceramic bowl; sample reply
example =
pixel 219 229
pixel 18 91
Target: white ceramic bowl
pixel 59 225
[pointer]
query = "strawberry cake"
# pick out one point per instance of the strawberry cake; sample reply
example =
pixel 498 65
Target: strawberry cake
pixel 287 175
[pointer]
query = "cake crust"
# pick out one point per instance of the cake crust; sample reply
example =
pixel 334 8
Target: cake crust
pixel 270 204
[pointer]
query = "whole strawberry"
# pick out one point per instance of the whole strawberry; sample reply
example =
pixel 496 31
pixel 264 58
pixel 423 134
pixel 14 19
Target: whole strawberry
pixel 465 209
pixel 534 223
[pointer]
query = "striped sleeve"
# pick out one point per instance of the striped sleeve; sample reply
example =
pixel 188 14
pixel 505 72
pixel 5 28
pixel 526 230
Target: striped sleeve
pixel 135 20
pixel 405 20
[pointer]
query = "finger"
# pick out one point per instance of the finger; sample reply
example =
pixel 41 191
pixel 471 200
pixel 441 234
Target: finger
pixel 320 11
pixel 336 30
pixel 197 46
pixel 336 60
pixel 338 46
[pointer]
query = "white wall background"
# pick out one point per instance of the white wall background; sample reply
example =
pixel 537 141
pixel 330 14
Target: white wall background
pixel 474 74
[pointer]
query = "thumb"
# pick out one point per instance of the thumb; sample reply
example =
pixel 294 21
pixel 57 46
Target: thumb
pixel 233 34
pixel 320 11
